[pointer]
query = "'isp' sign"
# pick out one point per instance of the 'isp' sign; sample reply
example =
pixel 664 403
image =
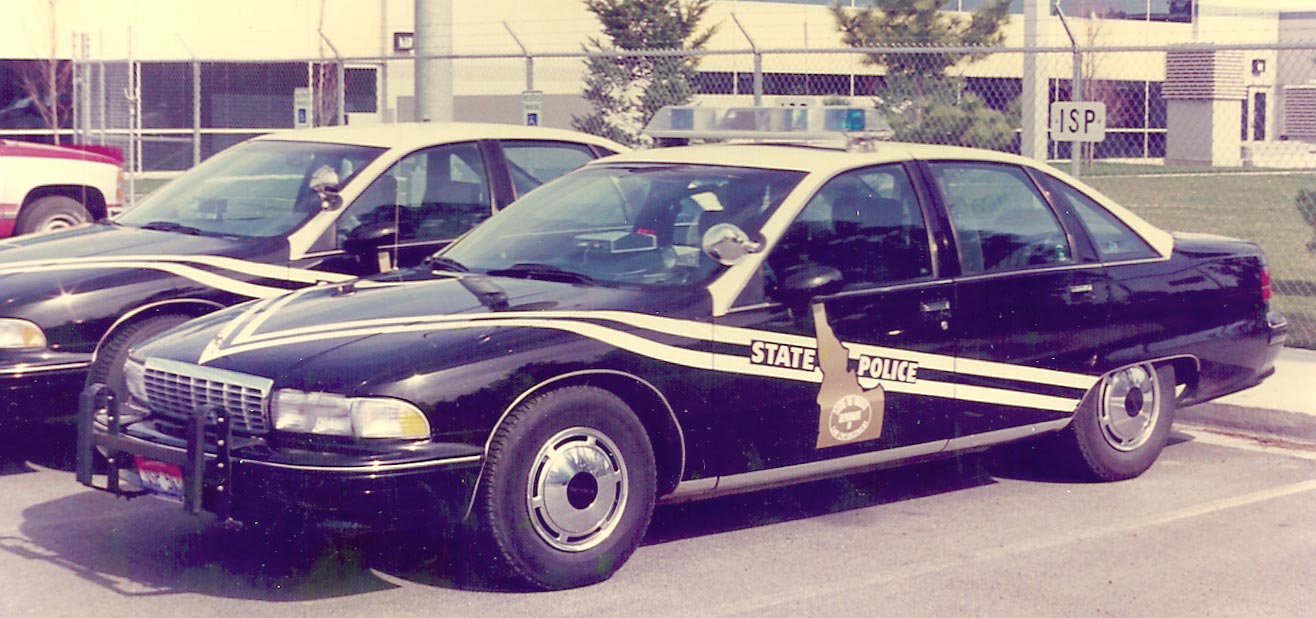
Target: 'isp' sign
pixel 1078 122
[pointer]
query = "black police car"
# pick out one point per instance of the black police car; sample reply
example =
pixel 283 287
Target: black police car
pixel 688 322
pixel 270 215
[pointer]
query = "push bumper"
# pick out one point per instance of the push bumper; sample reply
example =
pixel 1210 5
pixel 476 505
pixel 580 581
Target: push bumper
pixel 242 479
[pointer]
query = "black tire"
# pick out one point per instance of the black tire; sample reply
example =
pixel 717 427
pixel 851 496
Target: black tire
pixel 517 503
pixel 1122 425
pixel 108 367
pixel 53 212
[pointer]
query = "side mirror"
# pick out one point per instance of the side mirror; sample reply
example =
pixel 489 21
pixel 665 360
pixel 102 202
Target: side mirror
pixel 324 182
pixel 365 243
pixel 809 282
pixel 728 244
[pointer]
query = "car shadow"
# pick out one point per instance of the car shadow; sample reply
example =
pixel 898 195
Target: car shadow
pixel 824 497
pixel 149 548
pixel 1037 460
pixel 46 444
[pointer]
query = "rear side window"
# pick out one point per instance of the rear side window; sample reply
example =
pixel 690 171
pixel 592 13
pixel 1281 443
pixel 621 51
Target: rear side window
pixel 534 163
pixel 1114 240
pixel 432 194
pixel 1001 221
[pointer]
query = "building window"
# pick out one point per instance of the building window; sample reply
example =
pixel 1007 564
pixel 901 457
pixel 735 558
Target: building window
pixel 1259 117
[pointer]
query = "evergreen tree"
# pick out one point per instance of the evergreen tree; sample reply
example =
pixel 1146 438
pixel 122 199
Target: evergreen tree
pixel 625 91
pixel 922 102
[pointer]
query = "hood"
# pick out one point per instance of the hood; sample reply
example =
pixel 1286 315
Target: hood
pixel 130 264
pixel 110 240
pixel 349 337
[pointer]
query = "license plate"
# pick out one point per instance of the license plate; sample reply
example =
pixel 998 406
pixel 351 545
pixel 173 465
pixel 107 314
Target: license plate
pixel 163 479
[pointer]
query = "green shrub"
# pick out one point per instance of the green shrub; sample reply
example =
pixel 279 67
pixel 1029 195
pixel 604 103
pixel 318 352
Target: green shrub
pixel 1306 204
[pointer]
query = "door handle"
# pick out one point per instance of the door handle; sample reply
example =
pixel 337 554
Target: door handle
pixel 935 306
pixel 1081 288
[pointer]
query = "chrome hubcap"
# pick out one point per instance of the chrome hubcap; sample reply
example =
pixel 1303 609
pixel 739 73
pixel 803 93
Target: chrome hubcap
pixel 576 492
pixel 58 223
pixel 1129 407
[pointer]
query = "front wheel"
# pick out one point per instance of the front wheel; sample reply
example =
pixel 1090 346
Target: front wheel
pixel 1123 423
pixel 108 367
pixel 568 489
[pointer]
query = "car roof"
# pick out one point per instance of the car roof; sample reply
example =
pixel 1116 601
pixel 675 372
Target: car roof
pixel 412 135
pixel 810 158
pixel 826 160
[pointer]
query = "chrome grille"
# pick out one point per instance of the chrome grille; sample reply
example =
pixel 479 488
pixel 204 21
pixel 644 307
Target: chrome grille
pixel 175 389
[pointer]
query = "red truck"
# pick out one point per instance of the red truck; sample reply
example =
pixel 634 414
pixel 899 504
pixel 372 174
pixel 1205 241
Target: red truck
pixel 46 187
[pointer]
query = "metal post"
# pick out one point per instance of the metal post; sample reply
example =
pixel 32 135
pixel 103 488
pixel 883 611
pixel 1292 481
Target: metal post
pixel 85 90
pixel 196 103
pixel 342 90
pixel 196 113
pixel 434 93
pixel 758 61
pixel 76 95
pixel 1035 94
pixel 529 60
pixel 1075 93
pixel 130 93
pixel 102 101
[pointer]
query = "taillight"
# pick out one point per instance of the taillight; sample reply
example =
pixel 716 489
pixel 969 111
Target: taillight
pixel 1265 284
pixel 119 186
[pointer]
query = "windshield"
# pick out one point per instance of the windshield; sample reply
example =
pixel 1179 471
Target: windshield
pixel 258 188
pixel 624 223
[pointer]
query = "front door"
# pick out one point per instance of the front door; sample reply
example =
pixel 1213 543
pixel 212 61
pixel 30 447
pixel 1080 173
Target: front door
pixel 860 370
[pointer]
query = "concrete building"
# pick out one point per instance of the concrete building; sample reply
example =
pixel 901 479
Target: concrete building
pixel 253 54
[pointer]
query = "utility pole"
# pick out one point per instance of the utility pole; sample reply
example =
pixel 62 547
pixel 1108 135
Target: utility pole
pixel 1032 142
pixel 434 60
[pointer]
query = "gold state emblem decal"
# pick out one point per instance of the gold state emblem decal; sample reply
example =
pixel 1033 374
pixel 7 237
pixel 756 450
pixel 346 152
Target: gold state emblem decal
pixel 846 411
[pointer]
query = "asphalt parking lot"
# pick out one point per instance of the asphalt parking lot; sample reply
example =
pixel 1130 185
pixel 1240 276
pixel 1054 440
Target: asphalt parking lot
pixel 1220 526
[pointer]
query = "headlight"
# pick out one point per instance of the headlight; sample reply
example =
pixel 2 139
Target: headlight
pixel 20 335
pixel 134 373
pixel 336 415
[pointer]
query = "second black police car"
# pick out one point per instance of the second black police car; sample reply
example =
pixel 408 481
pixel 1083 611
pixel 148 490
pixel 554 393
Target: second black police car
pixel 689 322
pixel 275 213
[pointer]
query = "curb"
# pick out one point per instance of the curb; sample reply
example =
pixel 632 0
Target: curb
pixel 1278 423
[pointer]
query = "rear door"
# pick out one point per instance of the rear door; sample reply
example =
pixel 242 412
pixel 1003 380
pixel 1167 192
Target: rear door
pixel 1031 302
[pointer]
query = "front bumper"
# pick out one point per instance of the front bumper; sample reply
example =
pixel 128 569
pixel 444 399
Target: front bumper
pixel 244 479
pixel 31 383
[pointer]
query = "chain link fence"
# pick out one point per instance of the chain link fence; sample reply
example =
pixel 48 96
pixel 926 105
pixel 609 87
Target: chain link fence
pixel 1212 139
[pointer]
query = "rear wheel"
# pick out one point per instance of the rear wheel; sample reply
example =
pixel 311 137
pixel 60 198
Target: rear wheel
pixel 108 368
pixel 1123 424
pixel 568 489
pixel 53 212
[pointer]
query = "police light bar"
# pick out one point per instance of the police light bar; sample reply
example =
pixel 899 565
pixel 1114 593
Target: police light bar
pixel 826 122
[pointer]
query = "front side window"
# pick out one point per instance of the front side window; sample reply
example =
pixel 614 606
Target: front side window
pixel 260 189
pixel 638 224
pixel 432 194
pixel 867 224
pixel 1001 221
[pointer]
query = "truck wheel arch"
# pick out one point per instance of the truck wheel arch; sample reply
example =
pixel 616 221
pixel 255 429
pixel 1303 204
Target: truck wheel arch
pixel 90 198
